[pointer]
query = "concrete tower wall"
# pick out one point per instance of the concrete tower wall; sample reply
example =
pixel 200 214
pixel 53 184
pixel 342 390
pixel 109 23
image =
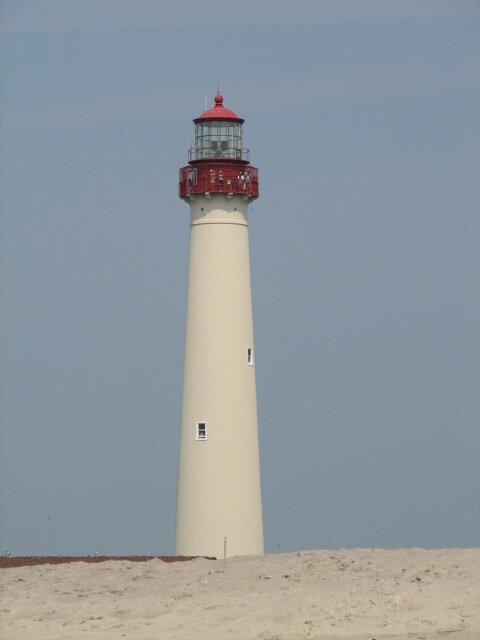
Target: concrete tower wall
pixel 218 492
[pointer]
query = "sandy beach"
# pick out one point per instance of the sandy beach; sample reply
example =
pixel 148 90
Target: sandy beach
pixel 356 594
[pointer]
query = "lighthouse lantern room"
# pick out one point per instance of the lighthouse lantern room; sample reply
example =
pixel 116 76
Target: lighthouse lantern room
pixel 218 163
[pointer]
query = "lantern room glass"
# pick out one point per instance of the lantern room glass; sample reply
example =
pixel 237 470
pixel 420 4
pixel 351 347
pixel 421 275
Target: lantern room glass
pixel 218 139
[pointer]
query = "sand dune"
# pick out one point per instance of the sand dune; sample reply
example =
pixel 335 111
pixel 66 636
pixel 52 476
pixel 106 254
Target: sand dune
pixel 360 593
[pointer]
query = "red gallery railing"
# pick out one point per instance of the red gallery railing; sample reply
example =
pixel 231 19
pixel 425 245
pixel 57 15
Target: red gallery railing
pixel 218 177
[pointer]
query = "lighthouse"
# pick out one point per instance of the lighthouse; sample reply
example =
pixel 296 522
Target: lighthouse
pixel 219 509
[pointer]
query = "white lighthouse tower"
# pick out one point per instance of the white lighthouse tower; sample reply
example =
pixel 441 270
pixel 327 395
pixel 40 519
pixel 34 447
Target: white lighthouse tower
pixel 219 509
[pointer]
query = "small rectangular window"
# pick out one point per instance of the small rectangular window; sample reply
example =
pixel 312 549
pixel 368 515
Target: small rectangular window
pixel 201 432
pixel 250 355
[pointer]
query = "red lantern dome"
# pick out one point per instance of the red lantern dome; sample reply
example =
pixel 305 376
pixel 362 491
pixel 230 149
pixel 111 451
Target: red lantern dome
pixel 219 112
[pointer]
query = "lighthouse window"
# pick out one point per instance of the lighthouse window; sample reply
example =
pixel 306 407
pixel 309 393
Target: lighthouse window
pixel 250 356
pixel 201 433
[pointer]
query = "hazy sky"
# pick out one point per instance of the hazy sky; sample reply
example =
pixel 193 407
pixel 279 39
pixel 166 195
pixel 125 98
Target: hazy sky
pixel 363 118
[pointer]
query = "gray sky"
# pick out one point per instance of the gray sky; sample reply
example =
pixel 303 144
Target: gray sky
pixel 363 120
